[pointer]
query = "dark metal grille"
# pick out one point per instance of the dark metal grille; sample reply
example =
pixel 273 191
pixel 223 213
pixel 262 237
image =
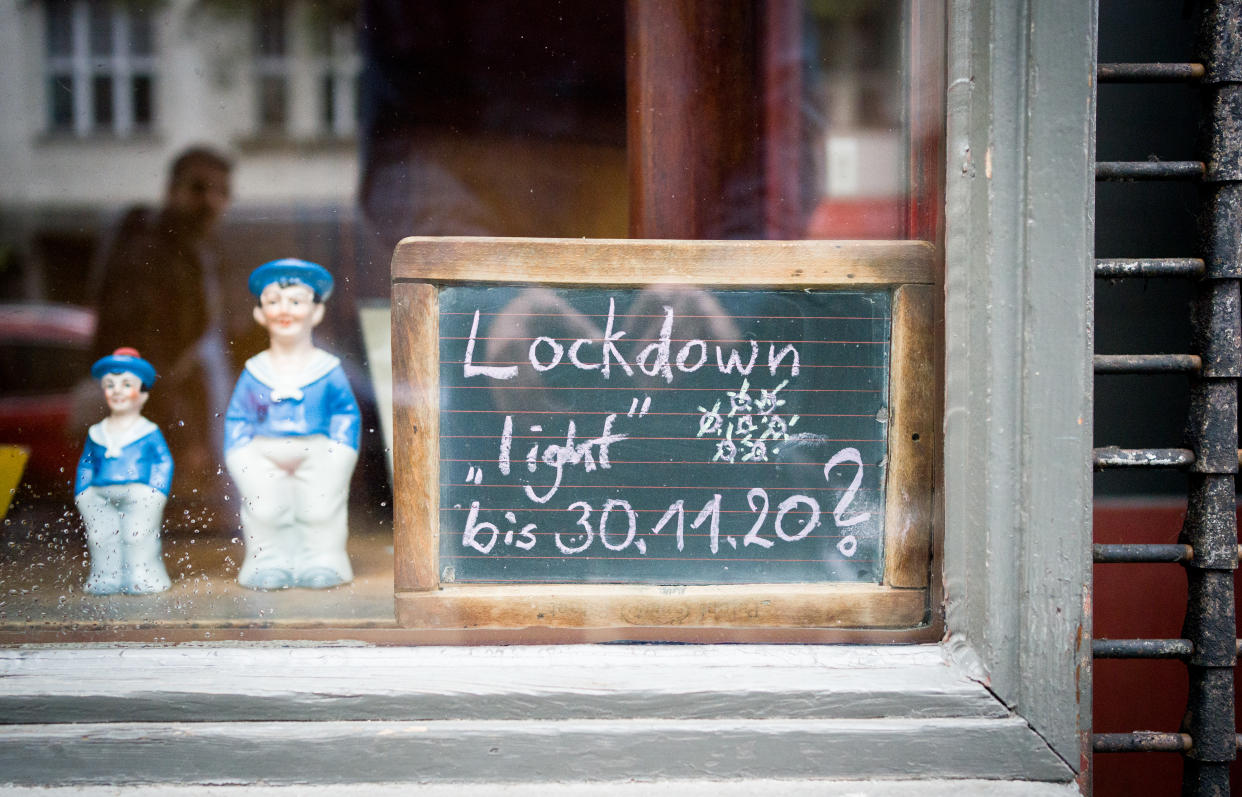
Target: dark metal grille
pixel 1208 546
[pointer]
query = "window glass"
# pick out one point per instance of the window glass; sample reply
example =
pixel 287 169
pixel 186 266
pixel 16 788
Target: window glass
pixel 60 101
pixel 270 28
pixel 100 16
pixel 180 144
pixel 101 101
pixel 144 111
pixel 141 34
pixel 59 28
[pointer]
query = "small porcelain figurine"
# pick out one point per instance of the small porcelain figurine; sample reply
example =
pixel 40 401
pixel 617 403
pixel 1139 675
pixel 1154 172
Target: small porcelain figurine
pixel 291 438
pixel 123 480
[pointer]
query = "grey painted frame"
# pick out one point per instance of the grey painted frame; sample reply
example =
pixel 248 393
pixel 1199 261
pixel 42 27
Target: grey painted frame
pixel 1018 391
pixel 1005 697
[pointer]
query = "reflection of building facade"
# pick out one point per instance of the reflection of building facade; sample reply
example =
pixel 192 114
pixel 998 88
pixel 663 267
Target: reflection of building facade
pixel 100 95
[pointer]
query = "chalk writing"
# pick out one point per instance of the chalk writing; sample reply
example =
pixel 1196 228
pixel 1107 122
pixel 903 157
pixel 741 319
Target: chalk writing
pixel 547 353
pixel 589 453
pixel 580 537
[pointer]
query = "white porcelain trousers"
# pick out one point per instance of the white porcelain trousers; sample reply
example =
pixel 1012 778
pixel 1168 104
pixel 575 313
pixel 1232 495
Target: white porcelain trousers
pixel 295 493
pixel 123 538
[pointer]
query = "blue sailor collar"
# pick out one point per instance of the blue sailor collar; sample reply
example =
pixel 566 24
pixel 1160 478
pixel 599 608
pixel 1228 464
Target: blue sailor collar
pixel 113 444
pixel 319 365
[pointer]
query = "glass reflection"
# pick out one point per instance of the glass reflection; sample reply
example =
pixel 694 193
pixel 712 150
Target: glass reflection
pixel 156 152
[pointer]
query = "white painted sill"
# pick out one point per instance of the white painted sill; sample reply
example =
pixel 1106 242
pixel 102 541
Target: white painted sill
pixel 211 714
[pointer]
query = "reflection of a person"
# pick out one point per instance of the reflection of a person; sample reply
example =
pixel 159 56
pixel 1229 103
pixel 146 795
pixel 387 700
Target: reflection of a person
pixel 161 289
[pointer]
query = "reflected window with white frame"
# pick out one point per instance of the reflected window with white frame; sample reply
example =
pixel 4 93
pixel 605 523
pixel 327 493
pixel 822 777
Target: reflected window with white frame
pixel 100 67
pixel 306 70
pixel 272 66
pixel 336 52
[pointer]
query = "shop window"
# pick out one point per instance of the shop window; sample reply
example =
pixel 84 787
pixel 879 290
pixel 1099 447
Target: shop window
pixel 784 120
pixel 544 118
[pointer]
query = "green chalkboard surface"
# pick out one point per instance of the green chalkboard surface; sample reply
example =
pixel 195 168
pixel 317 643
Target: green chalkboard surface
pixel 662 435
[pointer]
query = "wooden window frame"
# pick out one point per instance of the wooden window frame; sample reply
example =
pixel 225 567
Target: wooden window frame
pixel 900 602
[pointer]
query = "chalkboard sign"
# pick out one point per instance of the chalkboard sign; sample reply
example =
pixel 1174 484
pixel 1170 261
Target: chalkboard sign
pixel 662 433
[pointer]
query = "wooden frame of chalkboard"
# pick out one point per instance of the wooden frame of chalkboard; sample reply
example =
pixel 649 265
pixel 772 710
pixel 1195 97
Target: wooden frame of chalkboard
pixel 479 542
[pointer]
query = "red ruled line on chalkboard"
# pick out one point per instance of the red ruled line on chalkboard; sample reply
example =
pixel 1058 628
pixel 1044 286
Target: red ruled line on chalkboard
pixel 597 341
pixel 524 362
pixel 633 389
pixel 655 487
pixel 650 413
pixel 615 461
pixel 661 315
pixel 626 439
pixel 661 510
pixel 722 559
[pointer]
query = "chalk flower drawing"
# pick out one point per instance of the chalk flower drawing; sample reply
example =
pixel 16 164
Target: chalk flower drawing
pixel 752 437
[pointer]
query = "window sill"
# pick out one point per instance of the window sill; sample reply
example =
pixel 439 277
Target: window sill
pixel 275 143
pixel 140 138
pixel 533 713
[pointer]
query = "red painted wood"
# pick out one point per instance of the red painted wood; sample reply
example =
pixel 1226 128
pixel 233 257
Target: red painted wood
pixel 694 107
pixel 1139 601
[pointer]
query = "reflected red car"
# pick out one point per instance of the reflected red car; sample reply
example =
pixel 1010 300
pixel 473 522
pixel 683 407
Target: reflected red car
pixel 44 354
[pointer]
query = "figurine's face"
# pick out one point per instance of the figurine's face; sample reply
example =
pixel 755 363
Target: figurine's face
pixel 123 392
pixel 288 313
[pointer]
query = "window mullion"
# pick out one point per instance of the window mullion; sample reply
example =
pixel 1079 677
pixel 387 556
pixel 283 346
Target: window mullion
pixel 82 88
pixel 342 110
pixel 122 74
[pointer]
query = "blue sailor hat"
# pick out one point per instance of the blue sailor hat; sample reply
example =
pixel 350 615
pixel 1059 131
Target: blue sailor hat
pixel 122 360
pixel 312 275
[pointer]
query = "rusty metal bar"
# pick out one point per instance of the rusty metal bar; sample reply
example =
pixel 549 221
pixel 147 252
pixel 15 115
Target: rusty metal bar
pixel 1141 648
pixel 1208 545
pixel 1149 73
pixel 1149 170
pixel 1210 527
pixel 1141 742
pixel 1112 457
pixel 1117 267
pixel 1136 553
pixel 1146 363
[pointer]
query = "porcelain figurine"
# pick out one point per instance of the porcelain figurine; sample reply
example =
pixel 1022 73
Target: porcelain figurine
pixel 291 438
pixel 122 483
